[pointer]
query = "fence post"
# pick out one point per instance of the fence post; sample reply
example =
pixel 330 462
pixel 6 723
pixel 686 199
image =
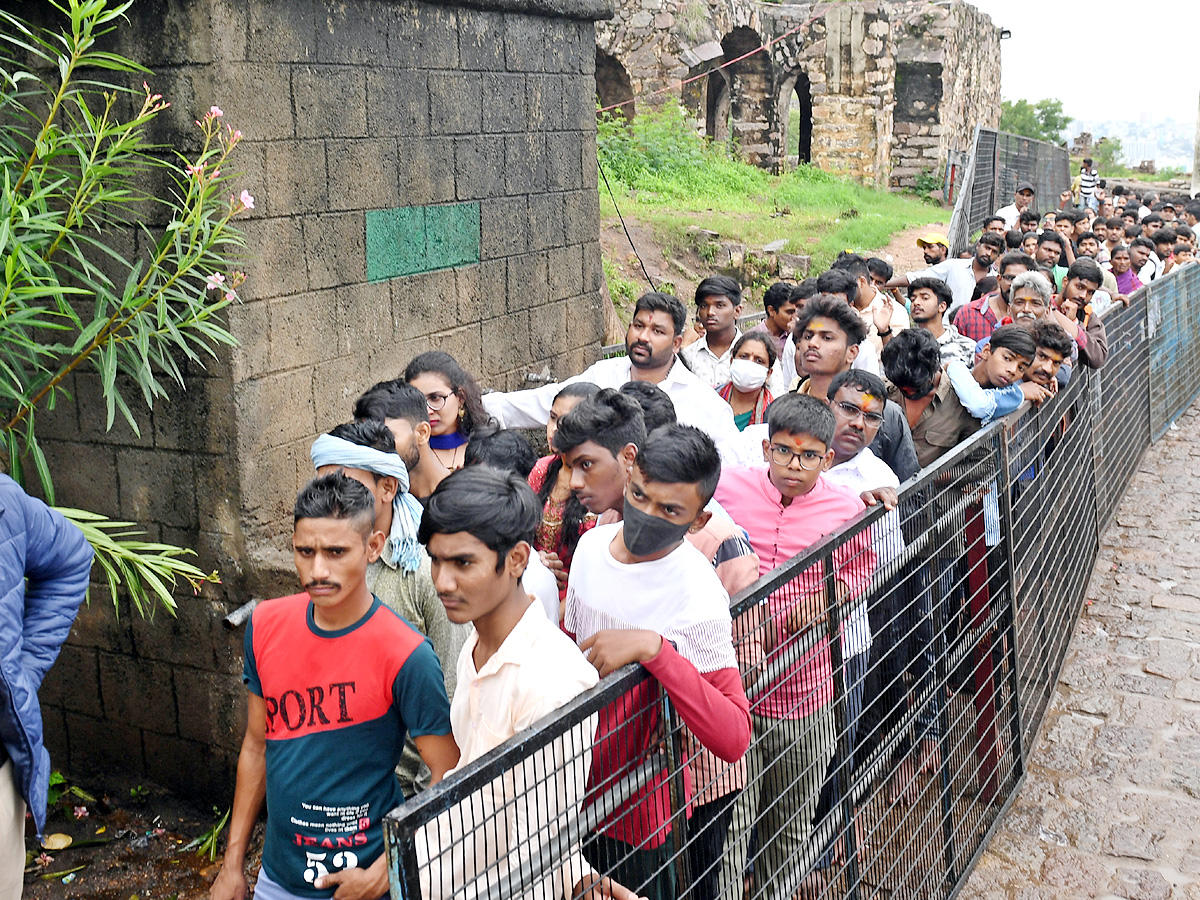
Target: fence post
pixel 401 850
pixel 1010 627
pixel 843 754
pixel 676 794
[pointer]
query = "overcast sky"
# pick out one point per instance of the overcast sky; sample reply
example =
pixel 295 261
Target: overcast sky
pixel 1046 31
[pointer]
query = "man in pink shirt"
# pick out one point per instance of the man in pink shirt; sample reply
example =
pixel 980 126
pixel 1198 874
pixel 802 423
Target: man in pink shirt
pixel 785 508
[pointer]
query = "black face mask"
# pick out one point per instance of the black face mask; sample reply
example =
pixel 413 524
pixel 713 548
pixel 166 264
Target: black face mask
pixel 645 535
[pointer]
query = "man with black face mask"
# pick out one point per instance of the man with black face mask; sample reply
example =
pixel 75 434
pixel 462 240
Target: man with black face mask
pixel 639 592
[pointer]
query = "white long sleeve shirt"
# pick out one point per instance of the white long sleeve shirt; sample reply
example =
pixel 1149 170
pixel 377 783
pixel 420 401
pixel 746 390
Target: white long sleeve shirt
pixel 696 403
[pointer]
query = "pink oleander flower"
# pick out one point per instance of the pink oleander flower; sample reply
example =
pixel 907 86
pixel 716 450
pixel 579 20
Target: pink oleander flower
pixel 247 200
pixel 215 281
pixel 230 296
pixel 81 812
pixel 44 859
pixel 215 112
pixel 196 171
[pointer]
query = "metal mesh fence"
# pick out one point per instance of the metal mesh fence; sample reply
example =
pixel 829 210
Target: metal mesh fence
pixel 999 162
pixel 897 674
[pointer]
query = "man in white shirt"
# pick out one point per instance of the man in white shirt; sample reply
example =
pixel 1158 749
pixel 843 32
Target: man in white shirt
pixel 651 344
pixel 879 313
pixel 515 668
pixel 718 305
pixel 930 298
pixel 961 274
pixel 1022 198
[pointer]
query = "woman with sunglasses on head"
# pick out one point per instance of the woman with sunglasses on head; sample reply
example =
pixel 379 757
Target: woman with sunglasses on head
pixel 455 404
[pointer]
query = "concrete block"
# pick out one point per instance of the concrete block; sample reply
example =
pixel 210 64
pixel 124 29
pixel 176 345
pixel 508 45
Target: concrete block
pixel 565 270
pixel 362 174
pixel 482 291
pixel 330 101
pixel 212 707
pixel 157 486
pixel 397 102
pixel 465 345
pixel 546 220
pixel 582 216
pixel 137 692
pixel 196 417
pixel 591 169
pixel 275 265
pixel 548 325
pixel 189 767
pixel 102 747
pixel 479 166
pixel 54 736
pixel 507 344
pixel 528 281
pixel 337 383
pixel 335 249
pixel 504 226
pixel 229 21
pixel 300 327
pixel 98 625
pixel 353 34
pixel 424 304
pixel 480 40
pixel 193 637
pixel 364 318
pixel 579 104
pixel 424 36
pixel 73 682
pixel 525 163
pixel 255 97
pixel 283 33
pixel 504 107
pixel 525 42
pixel 564 155
pixel 249 322
pixel 296 177
pixel 454 103
pixel 451 235
pixel 282 406
pixel 426 172
pixel 85 475
pixel 544 93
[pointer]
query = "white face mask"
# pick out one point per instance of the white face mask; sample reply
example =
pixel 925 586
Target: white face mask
pixel 747 375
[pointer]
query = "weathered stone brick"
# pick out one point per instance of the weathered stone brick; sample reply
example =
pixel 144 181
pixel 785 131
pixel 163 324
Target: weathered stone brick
pixel 397 102
pixel 424 36
pixel 275 264
pixel 353 33
pixel 331 101
pixel 525 163
pixel 296 177
pixel 454 103
pixel 525 39
pixel 335 249
pixel 282 33
pixel 426 170
pixel 137 692
pixel 504 227
pixel 564 152
pixel 479 169
pixel 504 107
pixel 545 103
pixel 480 44
pixel 362 174
pixel 528 281
pixel 546 221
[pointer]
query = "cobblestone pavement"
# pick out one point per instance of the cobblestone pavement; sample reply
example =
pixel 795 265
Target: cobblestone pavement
pixel 1111 805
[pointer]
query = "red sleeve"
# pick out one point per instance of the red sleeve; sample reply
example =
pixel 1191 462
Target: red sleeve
pixel 713 706
pixel 537 477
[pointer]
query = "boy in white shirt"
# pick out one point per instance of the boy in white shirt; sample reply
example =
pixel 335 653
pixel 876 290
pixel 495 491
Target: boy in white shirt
pixel 515 668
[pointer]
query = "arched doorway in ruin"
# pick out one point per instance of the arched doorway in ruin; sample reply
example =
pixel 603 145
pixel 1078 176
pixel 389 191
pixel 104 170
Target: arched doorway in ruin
pixel 613 85
pixel 717 112
pixel 796 123
pixel 751 94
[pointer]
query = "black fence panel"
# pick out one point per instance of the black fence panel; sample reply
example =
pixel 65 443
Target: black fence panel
pixel 897 673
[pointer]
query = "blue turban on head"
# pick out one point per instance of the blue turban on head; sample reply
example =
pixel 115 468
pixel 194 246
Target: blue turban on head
pixel 402 548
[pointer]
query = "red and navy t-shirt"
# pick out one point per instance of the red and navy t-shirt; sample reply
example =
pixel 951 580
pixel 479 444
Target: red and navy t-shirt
pixel 338 706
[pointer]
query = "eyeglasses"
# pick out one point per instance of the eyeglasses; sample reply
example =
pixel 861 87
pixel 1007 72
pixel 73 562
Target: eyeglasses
pixel 850 412
pixel 783 456
pixel 436 401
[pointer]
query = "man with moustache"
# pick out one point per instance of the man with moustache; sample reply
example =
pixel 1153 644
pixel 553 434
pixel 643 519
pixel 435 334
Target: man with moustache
pixel 961 274
pixel 929 299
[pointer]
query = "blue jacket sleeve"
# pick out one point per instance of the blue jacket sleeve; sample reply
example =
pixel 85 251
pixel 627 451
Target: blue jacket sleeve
pixel 983 403
pixel 57 565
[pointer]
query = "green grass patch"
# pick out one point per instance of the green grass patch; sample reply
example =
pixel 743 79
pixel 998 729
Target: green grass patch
pixel 666 176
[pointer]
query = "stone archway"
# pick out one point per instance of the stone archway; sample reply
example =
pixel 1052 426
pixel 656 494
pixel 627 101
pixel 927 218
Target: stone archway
pixel 752 90
pixel 613 85
pixel 718 107
pixel 795 119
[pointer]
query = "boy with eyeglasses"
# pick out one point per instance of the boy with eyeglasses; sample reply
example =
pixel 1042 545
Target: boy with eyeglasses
pixel 785 508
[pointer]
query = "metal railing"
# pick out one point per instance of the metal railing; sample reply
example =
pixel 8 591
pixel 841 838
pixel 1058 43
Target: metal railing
pixel 998 162
pixel 877 766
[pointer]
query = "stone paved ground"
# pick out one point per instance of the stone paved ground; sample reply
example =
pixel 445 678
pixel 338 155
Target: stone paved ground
pixel 1111 806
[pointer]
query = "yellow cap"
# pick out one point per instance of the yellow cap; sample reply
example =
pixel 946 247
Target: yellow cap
pixel 933 237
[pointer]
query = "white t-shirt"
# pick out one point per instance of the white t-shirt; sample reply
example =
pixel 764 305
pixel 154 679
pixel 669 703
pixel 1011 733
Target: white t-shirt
pixel 540 583
pixel 679 596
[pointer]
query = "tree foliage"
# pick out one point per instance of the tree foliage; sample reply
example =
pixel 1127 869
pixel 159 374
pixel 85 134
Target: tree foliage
pixel 74 165
pixel 1108 155
pixel 1044 120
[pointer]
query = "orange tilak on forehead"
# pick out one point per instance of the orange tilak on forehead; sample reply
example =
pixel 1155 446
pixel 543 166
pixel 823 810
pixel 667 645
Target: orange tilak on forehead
pixel 819 325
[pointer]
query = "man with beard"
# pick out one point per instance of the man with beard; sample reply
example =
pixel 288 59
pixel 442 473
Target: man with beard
pixel 929 299
pixel 1050 249
pixel 961 274
pixel 651 344
pixel 1081 284
pixel 405 412
pixel 935 247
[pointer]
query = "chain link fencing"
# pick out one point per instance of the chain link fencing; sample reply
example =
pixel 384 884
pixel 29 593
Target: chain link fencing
pixel 897 673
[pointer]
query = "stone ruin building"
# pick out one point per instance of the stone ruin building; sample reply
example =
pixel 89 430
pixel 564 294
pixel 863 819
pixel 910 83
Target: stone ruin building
pixel 878 91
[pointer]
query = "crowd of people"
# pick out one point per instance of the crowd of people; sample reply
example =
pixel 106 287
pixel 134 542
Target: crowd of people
pixel 458 588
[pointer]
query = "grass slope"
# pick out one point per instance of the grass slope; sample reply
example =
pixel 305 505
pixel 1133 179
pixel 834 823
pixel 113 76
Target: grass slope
pixel 664 175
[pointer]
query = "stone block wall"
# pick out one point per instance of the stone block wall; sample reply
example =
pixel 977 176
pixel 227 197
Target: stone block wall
pixel 947 82
pixel 424 177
